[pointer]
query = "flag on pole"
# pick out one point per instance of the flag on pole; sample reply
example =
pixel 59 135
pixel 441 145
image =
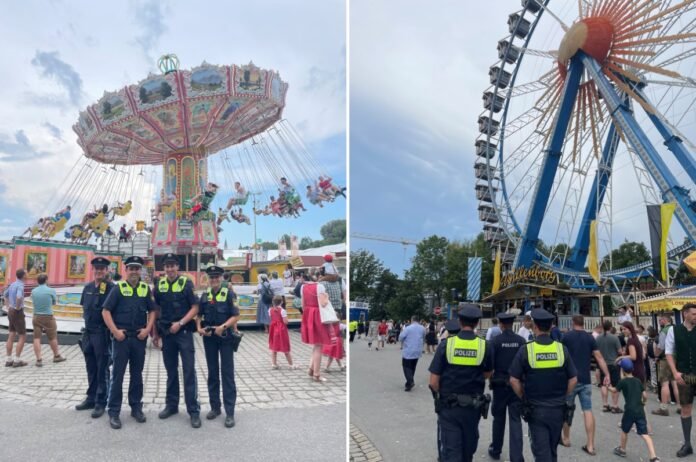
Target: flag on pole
pixel 659 219
pixel 473 283
pixel 690 263
pixel 592 257
pixel 496 273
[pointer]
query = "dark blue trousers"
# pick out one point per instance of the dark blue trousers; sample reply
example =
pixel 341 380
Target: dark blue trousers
pixel 95 347
pixel 220 358
pixel 545 432
pixel 504 399
pixel 130 352
pixel 173 346
pixel 459 433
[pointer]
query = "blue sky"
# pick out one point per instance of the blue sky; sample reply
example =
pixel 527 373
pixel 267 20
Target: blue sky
pixel 417 75
pixel 415 97
pixel 61 56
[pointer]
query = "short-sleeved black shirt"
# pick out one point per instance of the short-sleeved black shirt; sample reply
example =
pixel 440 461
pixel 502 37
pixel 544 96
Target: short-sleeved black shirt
pixel 461 379
pixel 92 301
pixel 116 301
pixel 504 348
pixel 543 387
pixel 212 316
pixel 581 346
pixel 188 293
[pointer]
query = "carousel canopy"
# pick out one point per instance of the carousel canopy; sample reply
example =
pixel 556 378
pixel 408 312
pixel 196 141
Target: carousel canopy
pixel 206 108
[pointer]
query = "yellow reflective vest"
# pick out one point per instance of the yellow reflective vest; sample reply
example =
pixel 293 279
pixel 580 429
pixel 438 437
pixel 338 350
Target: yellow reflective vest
pixel 460 352
pixel 549 356
pixel 127 290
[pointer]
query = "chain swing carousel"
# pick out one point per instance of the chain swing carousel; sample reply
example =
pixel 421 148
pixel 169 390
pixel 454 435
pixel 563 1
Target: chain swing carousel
pixel 166 130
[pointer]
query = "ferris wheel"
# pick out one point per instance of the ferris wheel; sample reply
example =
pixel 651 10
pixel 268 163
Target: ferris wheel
pixel 590 116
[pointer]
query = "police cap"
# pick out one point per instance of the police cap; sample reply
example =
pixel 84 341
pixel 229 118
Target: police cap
pixel 214 271
pixel 469 311
pixel 452 326
pixel 100 262
pixel 170 258
pixel 134 261
pixel 506 318
pixel 541 315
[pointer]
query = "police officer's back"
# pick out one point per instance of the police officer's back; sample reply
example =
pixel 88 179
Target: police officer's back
pixel 505 347
pixel 95 338
pixel 542 375
pixel 129 313
pixel 459 371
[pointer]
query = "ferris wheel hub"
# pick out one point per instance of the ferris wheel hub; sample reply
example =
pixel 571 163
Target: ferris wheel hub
pixel 593 35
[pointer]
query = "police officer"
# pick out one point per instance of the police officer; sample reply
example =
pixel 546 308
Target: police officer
pixel 458 376
pixel 129 313
pixel 178 307
pixel 218 316
pixel 505 347
pixel 95 339
pixel 549 375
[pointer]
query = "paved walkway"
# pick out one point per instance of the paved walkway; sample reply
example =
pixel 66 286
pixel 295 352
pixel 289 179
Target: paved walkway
pixel 63 385
pixel 361 448
pixel 281 414
pixel 401 426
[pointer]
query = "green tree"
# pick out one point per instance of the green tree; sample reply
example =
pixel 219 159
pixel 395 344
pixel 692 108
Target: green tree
pixel 365 270
pixel 629 253
pixel 429 266
pixel 307 243
pixel 334 232
pixel 409 301
pixel 456 257
pixel 269 245
pixel 385 290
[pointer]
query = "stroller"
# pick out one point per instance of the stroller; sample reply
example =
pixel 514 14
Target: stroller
pixel 392 336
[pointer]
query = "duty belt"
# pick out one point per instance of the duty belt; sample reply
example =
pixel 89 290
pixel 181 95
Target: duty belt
pixel 95 330
pixel 460 400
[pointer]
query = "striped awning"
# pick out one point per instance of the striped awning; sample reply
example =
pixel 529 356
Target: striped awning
pixel 668 302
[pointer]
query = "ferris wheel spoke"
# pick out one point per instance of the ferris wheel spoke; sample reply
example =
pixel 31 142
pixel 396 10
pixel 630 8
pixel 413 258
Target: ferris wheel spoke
pixel 551 54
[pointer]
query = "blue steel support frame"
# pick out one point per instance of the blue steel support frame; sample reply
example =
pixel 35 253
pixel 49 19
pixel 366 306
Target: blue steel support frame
pixel 663 177
pixel 596 196
pixel 672 141
pixel 530 235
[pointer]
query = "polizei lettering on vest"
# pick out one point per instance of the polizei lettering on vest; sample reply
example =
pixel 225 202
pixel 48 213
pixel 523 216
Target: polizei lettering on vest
pixel 465 353
pixel 546 356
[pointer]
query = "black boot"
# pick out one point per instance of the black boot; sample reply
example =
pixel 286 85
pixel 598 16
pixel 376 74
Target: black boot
pixel 85 405
pixel 98 411
pixel 115 422
pixel 167 412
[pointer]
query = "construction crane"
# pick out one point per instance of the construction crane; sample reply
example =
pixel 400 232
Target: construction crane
pixel 374 237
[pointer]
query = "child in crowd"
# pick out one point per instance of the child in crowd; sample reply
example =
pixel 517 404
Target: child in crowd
pixel 329 267
pixel 335 349
pixel 278 336
pixel 634 411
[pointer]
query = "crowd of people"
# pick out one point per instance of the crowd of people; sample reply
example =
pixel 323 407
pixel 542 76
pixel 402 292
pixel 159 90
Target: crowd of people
pixel 538 372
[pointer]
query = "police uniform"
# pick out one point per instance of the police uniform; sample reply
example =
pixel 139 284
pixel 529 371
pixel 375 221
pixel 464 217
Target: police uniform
pixel 95 342
pixel 215 309
pixel 130 308
pixel 505 347
pixel 175 299
pixel 461 362
pixel 545 367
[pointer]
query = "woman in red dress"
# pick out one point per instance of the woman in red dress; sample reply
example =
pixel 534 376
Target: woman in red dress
pixel 278 337
pixel 313 331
